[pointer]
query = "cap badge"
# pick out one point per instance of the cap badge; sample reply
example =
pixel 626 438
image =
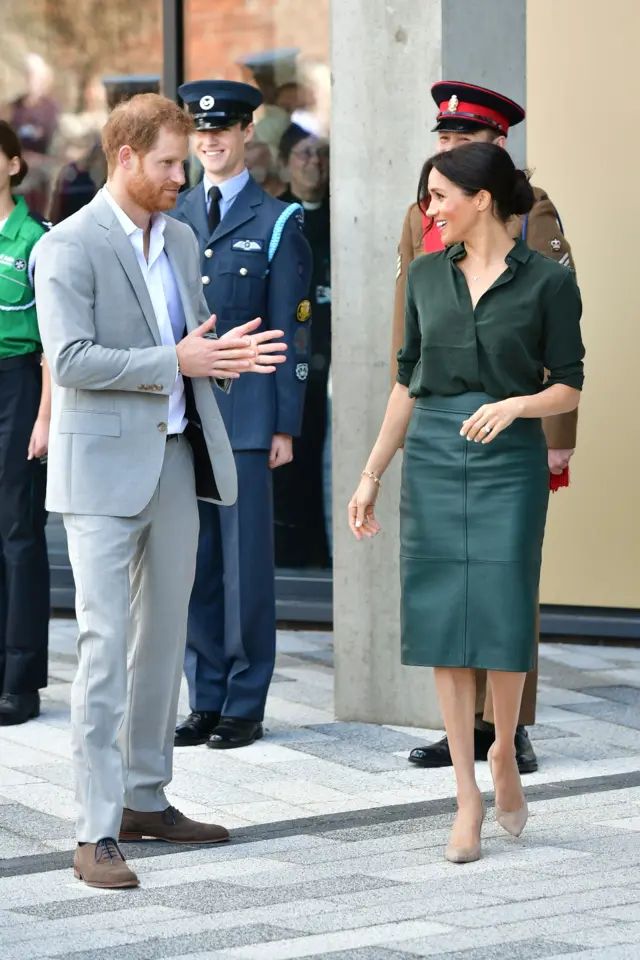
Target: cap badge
pixel 452 106
pixel 206 103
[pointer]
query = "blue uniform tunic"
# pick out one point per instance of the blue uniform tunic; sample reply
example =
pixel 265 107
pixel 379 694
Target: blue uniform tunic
pixel 257 263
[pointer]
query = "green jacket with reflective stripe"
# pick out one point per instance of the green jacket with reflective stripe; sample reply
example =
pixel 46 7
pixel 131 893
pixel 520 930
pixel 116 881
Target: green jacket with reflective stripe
pixel 18 320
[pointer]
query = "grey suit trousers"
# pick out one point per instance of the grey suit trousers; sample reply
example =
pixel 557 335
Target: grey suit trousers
pixel 133 580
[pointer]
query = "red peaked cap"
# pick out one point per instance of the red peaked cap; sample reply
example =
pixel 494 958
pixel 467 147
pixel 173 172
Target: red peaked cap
pixel 465 108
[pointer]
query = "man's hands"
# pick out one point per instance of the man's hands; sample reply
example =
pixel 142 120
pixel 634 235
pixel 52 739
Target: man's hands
pixel 281 450
pixel 238 351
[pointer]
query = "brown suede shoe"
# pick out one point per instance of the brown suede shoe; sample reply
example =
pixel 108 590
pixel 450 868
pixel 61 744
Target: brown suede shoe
pixel 101 864
pixel 169 825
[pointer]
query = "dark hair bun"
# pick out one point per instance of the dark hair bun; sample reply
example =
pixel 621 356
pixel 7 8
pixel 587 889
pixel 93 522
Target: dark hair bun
pixel 522 196
pixel 482 166
pixel 17 178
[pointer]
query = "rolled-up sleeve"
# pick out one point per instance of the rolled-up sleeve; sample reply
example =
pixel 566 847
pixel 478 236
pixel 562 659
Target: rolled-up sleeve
pixel 563 348
pixel 409 352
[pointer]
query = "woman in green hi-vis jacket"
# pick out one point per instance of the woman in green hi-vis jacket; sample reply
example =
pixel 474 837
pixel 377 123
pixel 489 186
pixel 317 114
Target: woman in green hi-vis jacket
pixel 25 399
pixel 492 344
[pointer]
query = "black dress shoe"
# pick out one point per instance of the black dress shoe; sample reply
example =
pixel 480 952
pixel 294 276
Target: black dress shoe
pixel 196 729
pixel 525 754
pixel 439 755
pixel 232 732
pixel 16 708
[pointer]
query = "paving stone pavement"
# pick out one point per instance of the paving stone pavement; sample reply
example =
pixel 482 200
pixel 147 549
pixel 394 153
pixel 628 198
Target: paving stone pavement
pixel 337 847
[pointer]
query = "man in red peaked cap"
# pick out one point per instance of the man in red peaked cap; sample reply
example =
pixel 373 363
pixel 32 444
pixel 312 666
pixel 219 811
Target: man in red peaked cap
pixel 465 113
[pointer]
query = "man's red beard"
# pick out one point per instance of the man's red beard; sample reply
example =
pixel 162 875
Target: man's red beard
pixel 151 197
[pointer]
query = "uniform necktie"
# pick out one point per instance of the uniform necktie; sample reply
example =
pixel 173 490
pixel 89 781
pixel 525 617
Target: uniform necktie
pixel 214 208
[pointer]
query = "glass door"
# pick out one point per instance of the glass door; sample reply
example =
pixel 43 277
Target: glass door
pixel 282 47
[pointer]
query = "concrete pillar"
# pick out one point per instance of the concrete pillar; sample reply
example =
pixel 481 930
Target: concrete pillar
pixel 385 56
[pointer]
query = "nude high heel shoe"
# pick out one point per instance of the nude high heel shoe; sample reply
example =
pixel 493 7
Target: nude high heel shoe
pixel 466 854
pixel 513 822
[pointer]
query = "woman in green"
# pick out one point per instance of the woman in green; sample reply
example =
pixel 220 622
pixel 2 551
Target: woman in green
pixel 486 318
pixel 24 431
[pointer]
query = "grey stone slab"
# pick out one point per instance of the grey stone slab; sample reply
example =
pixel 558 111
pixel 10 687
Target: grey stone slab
pixel 589 750
pixel 12 845
pixel 546 731
pixel 354 755
pixel 368 953
pixel 59 773
pixel 208 897
pixel 370 735
pixel 624 714
pixel 279 678
pixel 156 948
pixel 27 822
pixel 621 900
pixel 525 950
pixel 621 694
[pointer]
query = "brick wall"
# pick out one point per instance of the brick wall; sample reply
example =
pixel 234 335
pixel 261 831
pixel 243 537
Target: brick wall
pixel 218 32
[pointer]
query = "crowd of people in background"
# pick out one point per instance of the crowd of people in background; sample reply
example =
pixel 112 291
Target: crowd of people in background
pixel 288 156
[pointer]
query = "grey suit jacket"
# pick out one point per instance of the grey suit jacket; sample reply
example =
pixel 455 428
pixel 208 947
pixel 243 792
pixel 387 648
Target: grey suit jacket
pixel 112 376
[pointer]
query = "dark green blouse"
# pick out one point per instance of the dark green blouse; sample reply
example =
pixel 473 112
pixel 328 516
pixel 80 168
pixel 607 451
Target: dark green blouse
pixel 528 321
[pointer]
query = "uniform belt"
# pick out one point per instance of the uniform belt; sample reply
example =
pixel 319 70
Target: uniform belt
pixel 23 360
pixel 173 436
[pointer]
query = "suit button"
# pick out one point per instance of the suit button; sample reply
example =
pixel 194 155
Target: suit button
pixel 206 280
pixel 162 427
pixel 208 254
pixel 243 271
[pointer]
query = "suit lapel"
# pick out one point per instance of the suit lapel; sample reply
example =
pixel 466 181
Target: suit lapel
pixel 126 255
pixel 174 251
pixel 194 210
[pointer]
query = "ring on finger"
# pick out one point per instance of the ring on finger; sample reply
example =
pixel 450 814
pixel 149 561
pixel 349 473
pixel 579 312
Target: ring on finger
pixel 487 428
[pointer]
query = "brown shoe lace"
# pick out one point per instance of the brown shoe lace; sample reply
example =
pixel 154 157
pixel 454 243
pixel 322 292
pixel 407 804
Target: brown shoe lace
pixel 107 848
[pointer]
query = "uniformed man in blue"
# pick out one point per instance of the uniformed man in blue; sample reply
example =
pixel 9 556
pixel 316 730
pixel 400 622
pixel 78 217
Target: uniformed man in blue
pixel 256 262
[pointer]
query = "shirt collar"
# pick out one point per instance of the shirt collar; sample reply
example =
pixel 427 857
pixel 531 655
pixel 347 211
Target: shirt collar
pixel 230 188
pixel 16 218
pixel 158 220
pixel 520 252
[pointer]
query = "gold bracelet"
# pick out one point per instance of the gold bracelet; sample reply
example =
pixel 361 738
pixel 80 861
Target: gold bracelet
pixel 372 476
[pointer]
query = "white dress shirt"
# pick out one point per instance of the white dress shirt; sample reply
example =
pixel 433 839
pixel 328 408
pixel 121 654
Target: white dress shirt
pixel 229 190
pixel 165 297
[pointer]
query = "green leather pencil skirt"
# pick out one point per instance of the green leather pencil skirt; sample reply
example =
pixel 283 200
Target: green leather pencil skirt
pixel 472 519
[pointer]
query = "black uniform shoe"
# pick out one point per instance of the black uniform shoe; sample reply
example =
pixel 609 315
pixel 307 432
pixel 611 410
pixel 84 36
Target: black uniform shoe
pixel 196 729
pixel 16 708
pixel 438 754
pixel 525 754
pixel 232 732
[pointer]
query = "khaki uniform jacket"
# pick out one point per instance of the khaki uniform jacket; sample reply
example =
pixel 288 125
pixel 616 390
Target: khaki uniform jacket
pixel 544 235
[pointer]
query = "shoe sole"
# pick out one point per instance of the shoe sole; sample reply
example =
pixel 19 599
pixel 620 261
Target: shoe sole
pixel 6 719
pixel 194 743
pixel 434 764
pixel 234 746
pixel 430 764
pixel 145 838
pixel 106 886
pixel 530 767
